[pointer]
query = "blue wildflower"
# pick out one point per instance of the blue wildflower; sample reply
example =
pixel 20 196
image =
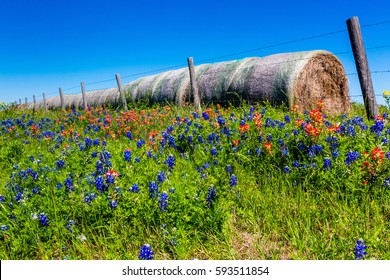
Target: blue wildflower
pixel 127 155
pixel 43 220
pixel 2 199
pixel 205 116
pixel 211 195
pixel 233 180
pixel 113 204
pixel 163 201
pixel 153 190
pixel 60 164
pixel 228 169
pixel 351 157
pixel 360 249
pixel 295 164
pixel 170 161
pixel 327 163
pixel 286 169
pixel 146 253
pixel 377 127
pixel 335 153
pixel 160 177
pixel 69 184
pixel 4 228
pixel 134 188
pixel 386 182
pixel 213 151
pixel 70 224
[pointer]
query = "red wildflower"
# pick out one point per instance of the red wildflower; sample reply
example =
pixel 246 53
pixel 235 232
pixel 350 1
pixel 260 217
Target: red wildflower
pixel 244 128
pixel 113 173
pixel 236 142
pixel 268 147
pixel 377 154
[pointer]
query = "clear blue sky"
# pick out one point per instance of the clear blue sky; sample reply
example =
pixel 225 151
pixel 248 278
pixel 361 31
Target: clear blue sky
pixel 45 45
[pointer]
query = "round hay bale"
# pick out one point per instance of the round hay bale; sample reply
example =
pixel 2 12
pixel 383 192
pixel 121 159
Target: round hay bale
pixel 299 78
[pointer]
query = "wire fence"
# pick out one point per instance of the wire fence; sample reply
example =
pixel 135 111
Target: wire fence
pixel 91 85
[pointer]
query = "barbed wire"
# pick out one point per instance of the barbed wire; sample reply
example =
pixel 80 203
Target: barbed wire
pixel 240 53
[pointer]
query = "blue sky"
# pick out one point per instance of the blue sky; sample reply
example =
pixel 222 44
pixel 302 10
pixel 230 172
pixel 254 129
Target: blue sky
pixel 45 45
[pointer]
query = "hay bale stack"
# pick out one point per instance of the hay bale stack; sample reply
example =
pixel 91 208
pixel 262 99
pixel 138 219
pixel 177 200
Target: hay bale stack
pixel 300 78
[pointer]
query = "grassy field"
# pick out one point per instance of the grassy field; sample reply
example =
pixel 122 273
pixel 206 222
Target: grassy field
pixel 226 183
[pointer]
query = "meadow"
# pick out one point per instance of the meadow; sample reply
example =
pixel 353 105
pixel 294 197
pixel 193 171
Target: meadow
pixel 167 182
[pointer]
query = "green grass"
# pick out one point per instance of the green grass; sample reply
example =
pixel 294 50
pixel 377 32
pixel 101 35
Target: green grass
pixel 308 213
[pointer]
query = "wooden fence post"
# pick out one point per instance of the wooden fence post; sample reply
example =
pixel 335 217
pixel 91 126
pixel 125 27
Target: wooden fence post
pixel 194 84
pixel 35 103
pixel 359 53
pixel 44 102
pixel 83 94
pixel 62 99
pixel 119 82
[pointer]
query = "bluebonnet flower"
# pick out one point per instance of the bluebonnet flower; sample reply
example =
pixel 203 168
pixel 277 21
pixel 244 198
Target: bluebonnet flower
pixel 228 169
pixel 134 188
pixel 284 151
pixel 233 180
pixel 206 165
pixel 221 120
pixel 110 179
pixel 43 220
pixel 388 155
pixel 170 161
pixel 295 164
pixel 296 132
pixel 70 224
pixel 286 169
pixel 4 228
pixel 153 190
pixel 88 142
pixel 258 151
pixel 269 137
pixel 96 142
pixel 360 249
pixel 377 127
pixel 327 163
pixel 189 139
pixel 281 142
pixel 59 186
pixel 172 190
pixel 99 183
pixel 200 139
pixel 2 199
pixel 211 195
pixel 127 155
pixel 94 154
pixel 146 253
pixel 205 116
pixel 386 182
pixel 137 159
pixel 60 164
pixel 160 177
pixel 149 154
pixel 113 204
pixel 99 167
pixel 287 119
pixel 36 190
pixel 129 135
pixel 69 184
pixel 351 157
pixel 140 143
pixel 213 151
pixel 301 145
pixel 385 141
pixel 335 153
pixel 31 158
pixel 163 201
pixel 350 131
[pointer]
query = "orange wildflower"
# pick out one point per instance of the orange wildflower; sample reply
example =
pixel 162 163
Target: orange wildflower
pixel 268 147
pixel 377 154
pixel 244 128
pixel 236 142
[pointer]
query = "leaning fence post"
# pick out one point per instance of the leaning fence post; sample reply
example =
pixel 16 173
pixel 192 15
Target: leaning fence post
pixel 359 53
pixel 119 82
pixel 62 99
pixel 194 84
pixel 35 103
pixel 83 94
pixel 44 102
